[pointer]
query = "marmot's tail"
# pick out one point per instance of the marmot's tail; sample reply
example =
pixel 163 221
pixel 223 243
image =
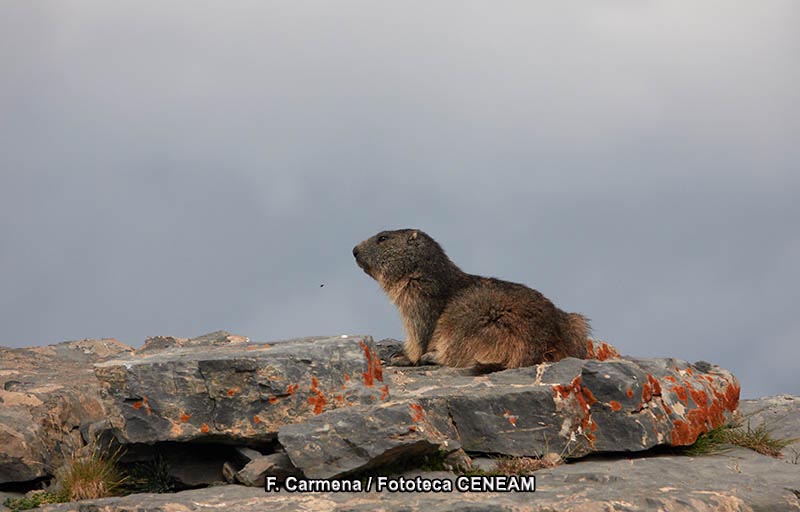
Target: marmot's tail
pixel 576 333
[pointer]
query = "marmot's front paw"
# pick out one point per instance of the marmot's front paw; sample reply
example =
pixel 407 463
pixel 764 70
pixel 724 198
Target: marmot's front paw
pixel 429 358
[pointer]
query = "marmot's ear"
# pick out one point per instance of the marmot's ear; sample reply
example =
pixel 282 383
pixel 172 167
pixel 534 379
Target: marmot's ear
pixel 413 236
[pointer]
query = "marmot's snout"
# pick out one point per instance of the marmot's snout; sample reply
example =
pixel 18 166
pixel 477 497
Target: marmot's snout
pixel 360 261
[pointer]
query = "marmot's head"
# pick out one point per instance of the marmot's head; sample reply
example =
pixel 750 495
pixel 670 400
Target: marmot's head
pixel 392 255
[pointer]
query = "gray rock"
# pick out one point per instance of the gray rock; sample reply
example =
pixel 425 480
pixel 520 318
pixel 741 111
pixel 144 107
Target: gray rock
pixel 214 339
pixel 48 399
pixel 229 472
pixel 345 441
pixel 484 463
pixel 389 348
pixel 458 461
pixel 245 455
pixel 780 415
pixel 333 407
pixel 739 480
pixel 573 407
pixel 236 391
pixel 275 464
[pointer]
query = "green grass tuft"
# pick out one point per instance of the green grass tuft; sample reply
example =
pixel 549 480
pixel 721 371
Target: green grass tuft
pixel 33 500
pixel 82 477
pixel 90 476
pixel 758 439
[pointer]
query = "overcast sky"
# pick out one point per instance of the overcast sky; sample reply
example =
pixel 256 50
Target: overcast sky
pixel 174 168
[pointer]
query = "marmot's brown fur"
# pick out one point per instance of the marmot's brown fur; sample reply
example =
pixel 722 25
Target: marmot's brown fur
pixel 465 320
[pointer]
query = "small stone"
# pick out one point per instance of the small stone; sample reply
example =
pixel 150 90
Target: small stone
pixel 276 464
pixel 458 461
pixel 246 454
pixel 551 460
pixel 229 472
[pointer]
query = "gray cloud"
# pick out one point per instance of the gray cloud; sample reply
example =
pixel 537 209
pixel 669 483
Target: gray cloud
pixel 174 168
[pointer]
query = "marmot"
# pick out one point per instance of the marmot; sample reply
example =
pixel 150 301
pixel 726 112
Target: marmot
pixel 463 320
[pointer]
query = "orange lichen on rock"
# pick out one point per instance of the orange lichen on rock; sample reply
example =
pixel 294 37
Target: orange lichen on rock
pixel 142 403
pixel 232 391
pixel 384 391
pixel 680 391
pixel 574 389
pixel 647 392
pixel 654 385
pixel 615 406
pixel 318 401
pixel 583 399
pixel 273 399
pixel 374 369
pixel 565 391
pixel 580 395
pixel 185 417
pixel 204 428
pixel 709 413
pixel 317 398
pixel 600 352
pixel 291 388
pixel 629 392
pixel 699 396
pixel 682 433
pixel 686 432
pixel 723 401
pixel 731 396
pixel 511 418
pixel 417 413
pixel 588 396
pixel 256 420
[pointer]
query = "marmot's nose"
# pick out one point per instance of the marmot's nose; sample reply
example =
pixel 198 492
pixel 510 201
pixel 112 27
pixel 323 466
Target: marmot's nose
pixel 355 251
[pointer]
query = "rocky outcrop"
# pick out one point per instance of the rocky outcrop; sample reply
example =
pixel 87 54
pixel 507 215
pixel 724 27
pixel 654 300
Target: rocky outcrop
pixel 214 339
pixel 49 402
pixel 336 410
pixel 573 407
pixel 235 392
pixel 742 481
pixel 357 439
pixel 220 408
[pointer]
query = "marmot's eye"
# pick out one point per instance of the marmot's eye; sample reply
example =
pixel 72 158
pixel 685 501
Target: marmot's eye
pixel 382 238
